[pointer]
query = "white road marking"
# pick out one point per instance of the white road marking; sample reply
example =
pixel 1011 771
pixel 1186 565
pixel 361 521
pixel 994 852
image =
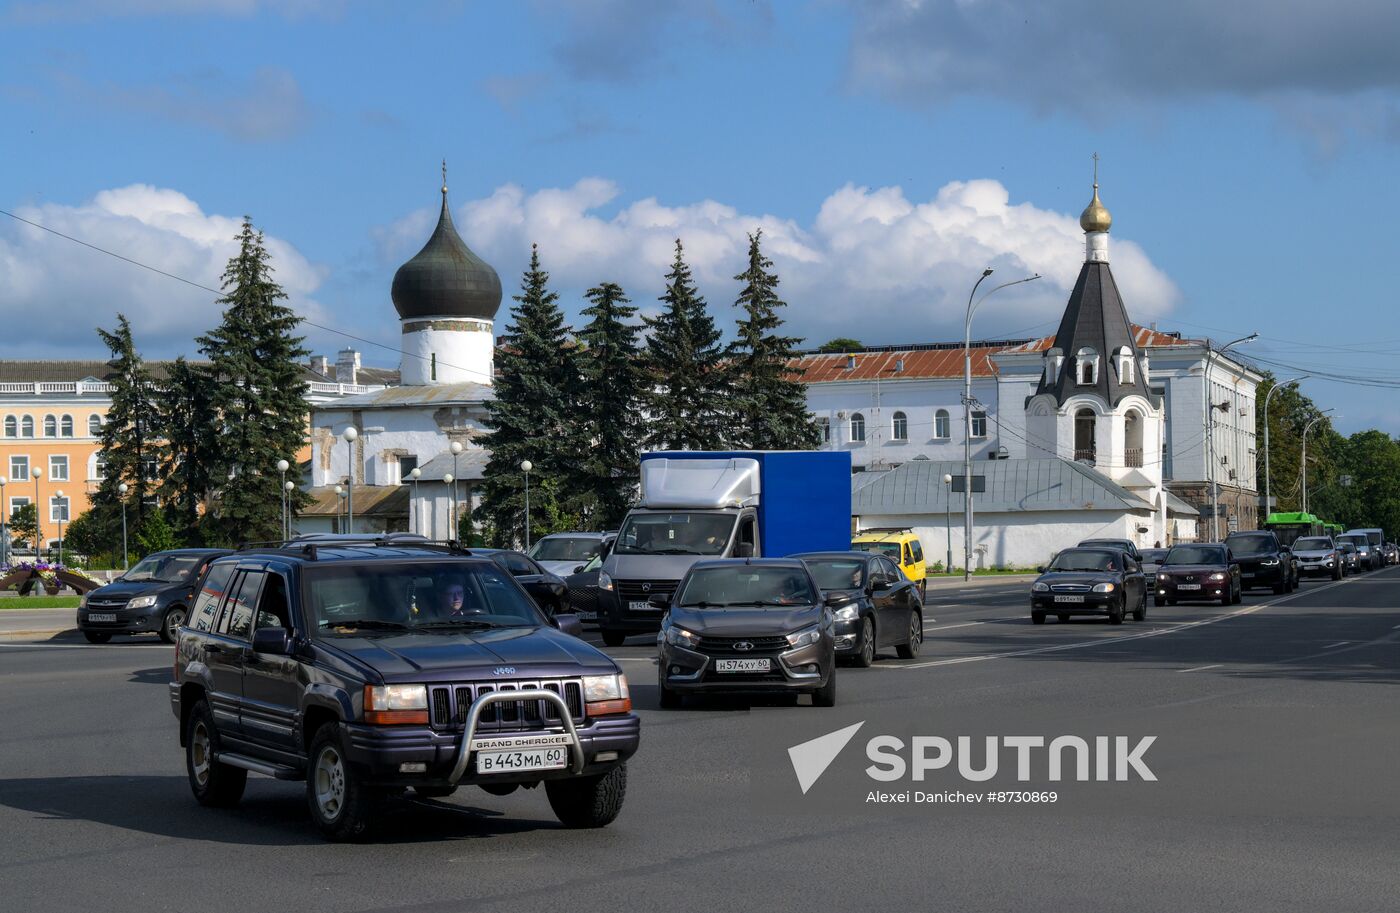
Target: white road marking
pixel 1201 668
pixel 965 624
pixel 1340 643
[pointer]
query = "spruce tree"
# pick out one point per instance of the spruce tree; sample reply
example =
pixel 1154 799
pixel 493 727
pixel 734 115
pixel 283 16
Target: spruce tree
pixel 533 413
pixel 684 365
pixel 189 452
pixel 769 399
pixel 611 404
pixel 258 393
pixel 130 433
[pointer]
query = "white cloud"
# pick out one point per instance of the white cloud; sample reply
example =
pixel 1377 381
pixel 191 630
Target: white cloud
pixel 873 264
pixel 56 291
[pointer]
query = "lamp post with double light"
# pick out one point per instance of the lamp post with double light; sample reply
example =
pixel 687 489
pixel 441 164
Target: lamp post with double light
pixel 122 489
pixel 525 467
pixel 967 409
pixel 350 434
pixel 1303 463
pixel 1268 498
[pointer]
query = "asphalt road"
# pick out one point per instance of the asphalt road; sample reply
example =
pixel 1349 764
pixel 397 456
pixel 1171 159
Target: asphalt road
pixel 1277 740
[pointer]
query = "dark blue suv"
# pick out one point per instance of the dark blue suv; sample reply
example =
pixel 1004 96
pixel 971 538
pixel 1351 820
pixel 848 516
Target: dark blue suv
pixel 366 668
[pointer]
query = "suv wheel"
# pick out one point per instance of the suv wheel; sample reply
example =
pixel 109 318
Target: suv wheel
pixel 866 655
pixel 613 638
pixel 213 784
pixel 174 618
pixel 341 805
pixel 910 648
pixel 825 696
pixel 94 637
pixel 588 801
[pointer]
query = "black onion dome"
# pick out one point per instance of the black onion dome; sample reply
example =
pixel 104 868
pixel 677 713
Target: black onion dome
pixel 445 279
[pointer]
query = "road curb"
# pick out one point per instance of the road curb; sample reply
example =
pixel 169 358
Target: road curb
pixel 47 632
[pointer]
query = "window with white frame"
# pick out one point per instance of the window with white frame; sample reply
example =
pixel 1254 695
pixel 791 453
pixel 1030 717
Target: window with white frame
pixel 97 467
pixel 94 425
pixel 50 426
pixel 857 427
pixel 979 424
pixel 19 468
pixel 1087 366
pixel 901 427
pixel 58 509
pixel 1125 365
pixel 16 503
pixel 942 425
pixel 824 425
pixel 58 467
pixel 11 426
pixel 26 426
pixel 65 426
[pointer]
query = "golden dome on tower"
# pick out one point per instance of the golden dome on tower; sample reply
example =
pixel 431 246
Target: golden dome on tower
pixel 1095 216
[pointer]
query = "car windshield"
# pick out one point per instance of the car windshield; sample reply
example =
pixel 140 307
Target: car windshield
pixel 1346 546
pixel 1246 546
pixel 837 573
pixel 1356 541
pixel 1153 555
pixel 1085 560
pixel 165 568
pixel 890 550
pixel 1196 554
pixel 748 586
pixel 1312 544
pixel 566 548
pixel 675 534
pixel 352 599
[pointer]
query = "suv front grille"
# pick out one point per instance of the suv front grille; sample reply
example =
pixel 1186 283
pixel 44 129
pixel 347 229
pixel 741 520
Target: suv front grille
pixel 725 646
pixel 451 703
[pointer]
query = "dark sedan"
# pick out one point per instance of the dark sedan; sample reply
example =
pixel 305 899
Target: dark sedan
pixel 884 608
pixel 1090 581
pixel 1207 573
pixel 151 598
pixel 747 625
pixel 549 591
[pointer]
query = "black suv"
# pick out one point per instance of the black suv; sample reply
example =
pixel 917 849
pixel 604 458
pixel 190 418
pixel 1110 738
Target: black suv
pixel 151 598
pixel 1264 561
pixel 366 668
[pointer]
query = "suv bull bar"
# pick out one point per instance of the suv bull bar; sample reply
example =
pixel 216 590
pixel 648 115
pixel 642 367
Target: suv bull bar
pixel 464 751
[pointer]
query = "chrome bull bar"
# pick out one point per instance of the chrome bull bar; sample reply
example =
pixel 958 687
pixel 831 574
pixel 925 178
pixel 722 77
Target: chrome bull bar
pixel 464 750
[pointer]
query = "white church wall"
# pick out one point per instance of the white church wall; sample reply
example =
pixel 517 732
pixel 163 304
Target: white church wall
pixel 447 350
pixel 385 431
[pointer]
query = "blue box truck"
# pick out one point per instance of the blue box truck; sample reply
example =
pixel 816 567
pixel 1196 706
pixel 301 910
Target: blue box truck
pixel 718 504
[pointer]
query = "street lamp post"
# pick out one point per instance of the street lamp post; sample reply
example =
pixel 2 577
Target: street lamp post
pixel 1268 495
pixel 339 493
pixel 287 488
pixel 282 467
pixel 58 496
pixel 413 508
pixel 350 434
pixel 456 448
pixel 449 479
pixel 1210 434
pixel 525 467
pixel 126 560
pixel 1303 464
pixel 38 474
pixel 4 532
pixel 967 410
pixel 948 521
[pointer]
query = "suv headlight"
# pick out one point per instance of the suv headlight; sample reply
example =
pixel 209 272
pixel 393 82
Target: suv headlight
pixel 142 602
pixel 604 694
pixel 388 705
pixel 680 637
pixel 1105 587
pixel 604 581
pixel 1269 562
pixel 1219 577
pixel 1039 587
pixel 805 637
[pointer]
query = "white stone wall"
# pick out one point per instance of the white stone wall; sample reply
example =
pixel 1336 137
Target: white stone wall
pixel 460 355
pixel 383 434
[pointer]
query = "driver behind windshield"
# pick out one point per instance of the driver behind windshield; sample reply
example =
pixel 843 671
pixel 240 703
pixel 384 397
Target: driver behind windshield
pixel 452 594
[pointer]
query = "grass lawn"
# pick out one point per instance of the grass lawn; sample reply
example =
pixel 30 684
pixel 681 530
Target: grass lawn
pixel 38 602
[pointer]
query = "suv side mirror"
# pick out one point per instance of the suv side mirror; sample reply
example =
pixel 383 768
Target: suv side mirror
pixel 272 641
pixel 658 601
pixel 578 569
pixel 569 623
pixel 743 550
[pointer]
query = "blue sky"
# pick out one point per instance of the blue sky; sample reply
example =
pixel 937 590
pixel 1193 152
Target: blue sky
pixel 889 150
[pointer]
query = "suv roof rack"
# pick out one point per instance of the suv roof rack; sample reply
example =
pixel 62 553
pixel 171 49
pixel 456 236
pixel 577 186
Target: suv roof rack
pixel 308 544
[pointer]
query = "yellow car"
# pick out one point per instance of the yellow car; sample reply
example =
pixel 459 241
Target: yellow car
pixel 900 546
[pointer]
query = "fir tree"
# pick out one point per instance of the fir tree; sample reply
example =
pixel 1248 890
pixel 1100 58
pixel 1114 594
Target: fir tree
pixel 684 364
pixel 258 394
pixel 769 399
pixel 129 433
pixel 189 452
pixel 533 413
pixel 611 404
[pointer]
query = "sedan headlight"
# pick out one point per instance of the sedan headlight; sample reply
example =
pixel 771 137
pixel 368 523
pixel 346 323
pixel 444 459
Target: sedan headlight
pixel 604 694
pixel 848 612
pixel 142 602
pixel 1039 587
pixel 1217 577
pixel 805 637
pixel 604 581
pixel 1105 587
pixel 680 637
pixel 388 705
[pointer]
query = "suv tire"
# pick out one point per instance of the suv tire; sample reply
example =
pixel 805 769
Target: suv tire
pixel 341 804
pixel 96 637
pixel 825 696
pixel 170 624
pixel 613 638
pixel 582 802
pixel 213 784
pixel 915 638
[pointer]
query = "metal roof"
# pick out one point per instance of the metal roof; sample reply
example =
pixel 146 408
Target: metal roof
pixel 1179 507
pixel 1012 486
pixel 471 465
pixel 414 395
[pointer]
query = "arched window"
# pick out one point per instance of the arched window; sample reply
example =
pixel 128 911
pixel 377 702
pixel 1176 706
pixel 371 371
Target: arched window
pixel 1085 424
pixel 1132 439
pixel 1054 360
pixel 94 425
pixel 50 426
pixel 1087 366
pixel 26 426
pixel 942 427
pixel 901 426
pixel 65 426
pixel 1125 365
pixel 11 426
pixel 857 427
